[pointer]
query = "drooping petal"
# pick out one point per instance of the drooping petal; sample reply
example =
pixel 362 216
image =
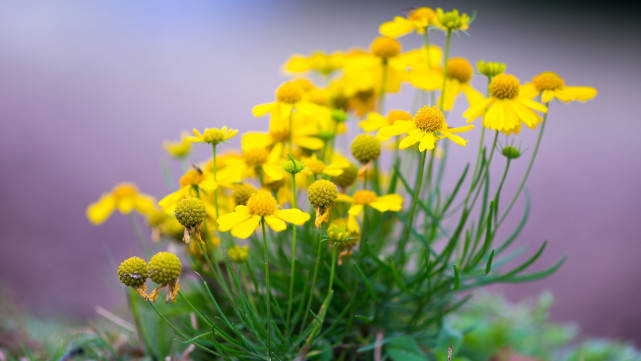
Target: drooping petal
pixel 262 109
pixel 428 142
pixel 527 115
pixel 389 202
pixel 452 90
pixel 245 228
pixel 293 216
pixel 547 95
pixel 534 105
pixel 476 110
pixel 275 223
pixel 396 28
pixel 355 209
pixel 472 95
pixel 399 127
pixel 168 204
pixel 373 122
pixel 495 116
pixel 344 198
pixel 455 138
pixel 145 204
pixel 575 93
pixel 230 220
pixel 311 143
pixel 98 212
pixel 528 90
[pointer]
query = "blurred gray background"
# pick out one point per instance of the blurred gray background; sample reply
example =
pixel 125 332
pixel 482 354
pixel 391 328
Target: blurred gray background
pixel 90 90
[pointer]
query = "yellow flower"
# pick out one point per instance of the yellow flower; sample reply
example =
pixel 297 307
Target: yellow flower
pixel 417 20
pixel 261 206
pixel 213 135
pixel 425 71
pixel 125 198
pixel 288 96
pixel 376 121
pixel 323 63
pixel 179 149
pixel 459 75
pixel 262 162
pixel 507 108
pixel 452 20
pixel 426 128
pixel 191 184
pixel 551 86
pixel 362 198
pixel 315 166
pixel 238 254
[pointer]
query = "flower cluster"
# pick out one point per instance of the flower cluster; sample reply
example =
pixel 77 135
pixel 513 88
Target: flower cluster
pixel 366 208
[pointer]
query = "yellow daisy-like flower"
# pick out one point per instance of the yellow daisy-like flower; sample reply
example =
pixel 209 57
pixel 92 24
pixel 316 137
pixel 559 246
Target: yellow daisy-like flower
pixel 288 96
pixel 425 71
pixel 551 86
pixel 459 75
pixel 452 20
pixel 507 108
pixel 191 183
pixel 417 20
pixel 261 161
pixel 315 166
pixel 362 198
pixel 261 206
pixel 376 121
pixel 323 63
pixel 213 135
pixel 125 198
pixel 426 128
pixel 179 149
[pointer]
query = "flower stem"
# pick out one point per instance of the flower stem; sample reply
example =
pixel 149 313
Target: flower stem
pixel 268 292
pixel 498 190
pixel 529 168
pixel 314 276
pixel 381 98
pixel 417 190
pixel 292 273
pixel 447 55
pixel 213 147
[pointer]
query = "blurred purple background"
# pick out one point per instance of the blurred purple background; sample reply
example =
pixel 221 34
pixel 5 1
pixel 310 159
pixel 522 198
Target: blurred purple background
pixel 90 90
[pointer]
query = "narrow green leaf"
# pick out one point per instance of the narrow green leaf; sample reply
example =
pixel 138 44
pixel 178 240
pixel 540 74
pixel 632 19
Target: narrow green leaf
pixel 488 266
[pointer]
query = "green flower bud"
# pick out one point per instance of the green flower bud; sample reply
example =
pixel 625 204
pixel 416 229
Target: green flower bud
pixel 490 69
pixel 339 116
pixel 133 272
pixel 366 148
pixel 511 152
pixel 190 212
pixel 164 268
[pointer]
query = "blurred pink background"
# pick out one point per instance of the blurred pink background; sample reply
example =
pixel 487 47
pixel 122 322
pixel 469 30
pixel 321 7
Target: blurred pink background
pixel 90 90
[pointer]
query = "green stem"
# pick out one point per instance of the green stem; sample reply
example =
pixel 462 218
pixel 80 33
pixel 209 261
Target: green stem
pixel 292 273
pixel 417 190
pixel 426 42
pixel 267 291
pixel 381 98
pixel 179 332
pixel 213 147
pixel 498 190
pixel 311 285
pixel 135 314
pixel 447 54
pixel 529 168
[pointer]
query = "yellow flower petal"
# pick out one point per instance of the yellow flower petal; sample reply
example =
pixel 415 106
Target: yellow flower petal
pixel 575 93
pixel 399 127
pixel 275 223
pixel 229 220
pixel 389 202
pixel 476 110
pixel 373 122
pixel 246 228
pixel 294 216
pixel 262 109
pixel 355 209
pixel 98 212
pixel 428 142
pixel 344 198
pixel 396 28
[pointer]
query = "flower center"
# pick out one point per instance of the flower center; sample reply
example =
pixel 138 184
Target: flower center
pixel 459 69
pixel 429 119
pixel 547 81
pixel 290 92
pixel 255 157
pixel 124 190
pixel 213 135
pixel 423 15
pixel 192 177
pixel 262 204
pixel 385 47
pixel 279 135
pixel 504 86
pixel 364 197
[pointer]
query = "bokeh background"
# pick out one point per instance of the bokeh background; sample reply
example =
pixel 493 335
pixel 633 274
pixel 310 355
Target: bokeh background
pixel 90 89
